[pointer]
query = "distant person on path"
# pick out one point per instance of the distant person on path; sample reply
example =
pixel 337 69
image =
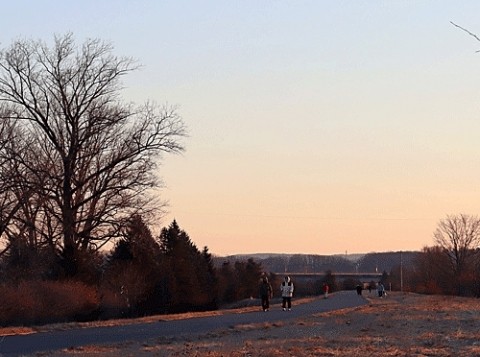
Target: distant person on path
pixel 380 289
pixel 265 292
pixel 287 292
pixel 325 290
pixel 359 289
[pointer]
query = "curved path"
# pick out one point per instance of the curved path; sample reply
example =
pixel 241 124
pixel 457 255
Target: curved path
pixel 56 340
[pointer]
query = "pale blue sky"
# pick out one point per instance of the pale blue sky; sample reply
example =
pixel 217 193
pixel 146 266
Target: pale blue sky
pixel 315 126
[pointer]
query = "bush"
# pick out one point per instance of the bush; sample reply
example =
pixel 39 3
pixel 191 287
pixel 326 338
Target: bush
pixel 40 302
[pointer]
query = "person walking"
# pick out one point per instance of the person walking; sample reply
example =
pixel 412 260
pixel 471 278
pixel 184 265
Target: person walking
pixel 325 290
pixel 266 293
pixel 380 289
pixel 287 292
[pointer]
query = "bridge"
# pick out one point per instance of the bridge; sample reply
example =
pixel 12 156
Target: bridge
pixel 362 277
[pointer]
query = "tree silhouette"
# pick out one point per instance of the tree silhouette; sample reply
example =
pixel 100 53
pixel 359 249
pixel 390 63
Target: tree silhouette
pixel 192 285
pixel 85 160
pixel 459 238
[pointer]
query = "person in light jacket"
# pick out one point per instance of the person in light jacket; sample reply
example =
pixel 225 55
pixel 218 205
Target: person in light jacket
pixel 287 292
pixel 325 290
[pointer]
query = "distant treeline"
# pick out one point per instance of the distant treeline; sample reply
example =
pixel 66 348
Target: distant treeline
pixel 143 275
pixel 448 269
pixel 310 263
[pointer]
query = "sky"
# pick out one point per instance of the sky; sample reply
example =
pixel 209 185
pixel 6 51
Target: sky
pixel 316 127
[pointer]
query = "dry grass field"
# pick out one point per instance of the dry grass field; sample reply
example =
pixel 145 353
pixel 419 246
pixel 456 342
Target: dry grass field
pixel 398 325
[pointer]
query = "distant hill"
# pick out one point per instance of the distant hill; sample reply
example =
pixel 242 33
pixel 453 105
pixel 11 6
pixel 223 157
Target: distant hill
pixel 309 263
pixel 352 257
pixel 380 262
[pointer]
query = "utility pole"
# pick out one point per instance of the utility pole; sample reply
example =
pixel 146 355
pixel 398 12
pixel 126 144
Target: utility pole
pixel 401 271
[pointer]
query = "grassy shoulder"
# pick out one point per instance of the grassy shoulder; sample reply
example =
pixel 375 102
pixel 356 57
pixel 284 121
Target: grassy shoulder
pixel 402 324
pixel 244 306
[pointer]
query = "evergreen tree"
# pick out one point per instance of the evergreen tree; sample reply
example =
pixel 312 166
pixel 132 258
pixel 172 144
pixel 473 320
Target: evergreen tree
pixel 193 284
pixel 210 280
pixel 134 270
pixel 227 284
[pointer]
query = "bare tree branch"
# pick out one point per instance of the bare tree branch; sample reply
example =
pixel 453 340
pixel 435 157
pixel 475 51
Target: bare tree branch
pixel 465 30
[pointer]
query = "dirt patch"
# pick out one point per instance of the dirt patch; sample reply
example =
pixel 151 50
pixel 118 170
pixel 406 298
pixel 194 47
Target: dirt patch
pixel 399 325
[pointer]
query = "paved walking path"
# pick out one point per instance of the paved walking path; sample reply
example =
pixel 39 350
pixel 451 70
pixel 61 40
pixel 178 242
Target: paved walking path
pixel 56 340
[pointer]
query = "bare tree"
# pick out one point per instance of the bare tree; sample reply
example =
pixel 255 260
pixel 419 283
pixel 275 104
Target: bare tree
pixel 9 203
pixel 90 158
pixel 459 237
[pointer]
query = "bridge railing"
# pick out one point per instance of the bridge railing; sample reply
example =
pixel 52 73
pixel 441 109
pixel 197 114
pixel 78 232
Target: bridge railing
pixel 353 274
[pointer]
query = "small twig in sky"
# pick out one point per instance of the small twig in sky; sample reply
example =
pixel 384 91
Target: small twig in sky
pixel 464 29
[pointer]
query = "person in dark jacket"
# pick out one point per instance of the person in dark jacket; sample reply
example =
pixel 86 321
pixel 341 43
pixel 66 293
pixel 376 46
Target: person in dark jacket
pixel 265 292
pixel 380 290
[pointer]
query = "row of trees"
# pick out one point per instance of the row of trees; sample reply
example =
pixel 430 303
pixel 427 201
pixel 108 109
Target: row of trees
pixel 142 274
pixel 170 274
pixel 451 266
